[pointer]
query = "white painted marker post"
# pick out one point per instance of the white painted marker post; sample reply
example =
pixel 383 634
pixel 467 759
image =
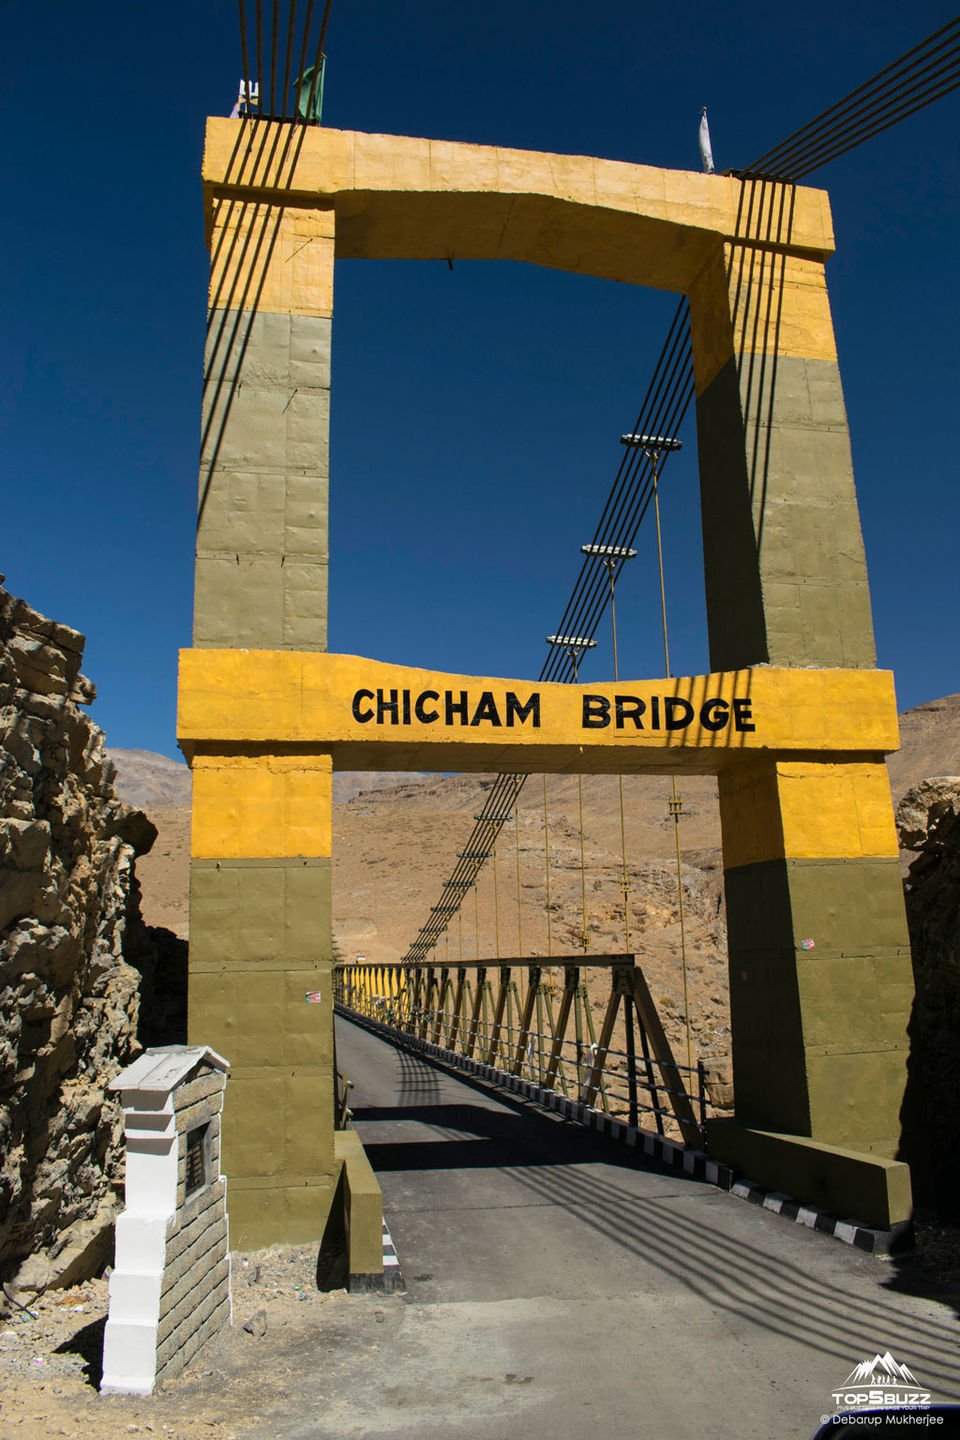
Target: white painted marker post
pixel 170 1287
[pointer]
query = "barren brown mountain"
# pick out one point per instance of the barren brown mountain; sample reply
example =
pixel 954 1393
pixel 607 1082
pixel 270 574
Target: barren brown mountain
pixel 397 836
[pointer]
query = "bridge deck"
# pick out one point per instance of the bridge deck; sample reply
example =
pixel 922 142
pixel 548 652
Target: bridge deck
pixel 569 1291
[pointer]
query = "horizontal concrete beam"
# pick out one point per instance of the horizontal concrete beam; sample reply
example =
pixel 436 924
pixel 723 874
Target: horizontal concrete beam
pixel 374 716
pixel 398 196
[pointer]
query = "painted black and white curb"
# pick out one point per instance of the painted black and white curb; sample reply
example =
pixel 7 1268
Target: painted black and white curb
pixel 390 1281
pixel 667 1152
pixel 851 1232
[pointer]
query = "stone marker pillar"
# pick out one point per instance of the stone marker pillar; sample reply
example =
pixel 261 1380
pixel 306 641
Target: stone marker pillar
pixel 170 1287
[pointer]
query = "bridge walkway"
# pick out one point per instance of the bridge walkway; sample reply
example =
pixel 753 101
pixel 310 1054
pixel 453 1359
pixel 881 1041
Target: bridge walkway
pixel 570 1290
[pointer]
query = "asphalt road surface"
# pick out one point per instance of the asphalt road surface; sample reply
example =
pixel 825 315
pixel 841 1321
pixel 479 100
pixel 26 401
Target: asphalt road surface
pixel 560 1288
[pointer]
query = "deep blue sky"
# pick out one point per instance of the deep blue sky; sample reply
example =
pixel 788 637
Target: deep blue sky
pixel 475 412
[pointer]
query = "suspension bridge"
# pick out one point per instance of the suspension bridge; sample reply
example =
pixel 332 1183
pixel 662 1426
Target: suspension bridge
pixel 794 719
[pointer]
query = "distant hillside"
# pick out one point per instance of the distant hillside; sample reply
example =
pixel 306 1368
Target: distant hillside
pixel 348 784
pixel 152 781
pixel 929 744
pixel 397 835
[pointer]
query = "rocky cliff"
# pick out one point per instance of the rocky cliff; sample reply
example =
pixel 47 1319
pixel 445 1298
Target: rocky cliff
pixel 69 997
pixel 928 818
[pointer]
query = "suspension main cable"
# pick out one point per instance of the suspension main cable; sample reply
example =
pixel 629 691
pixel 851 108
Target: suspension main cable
pixel 676 803
pixel 318 61
pixel 243 52
pixel 546 865
pixel 611 567
pixel 878 128
pixel 664 408
pixel 496 902
pixel 516 824
pixel 303 60
pixel 824 124
pixel 287 63
pixel 260 52
pixel 273 59
pixel 939 81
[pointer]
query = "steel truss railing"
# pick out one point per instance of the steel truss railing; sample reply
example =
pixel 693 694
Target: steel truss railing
pixel 477 1011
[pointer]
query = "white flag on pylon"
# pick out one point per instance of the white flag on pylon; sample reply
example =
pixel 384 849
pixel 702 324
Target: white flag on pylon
pixel 706 153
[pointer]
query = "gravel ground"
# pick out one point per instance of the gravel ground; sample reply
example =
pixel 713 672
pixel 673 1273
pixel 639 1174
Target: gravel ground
pixel 50 1357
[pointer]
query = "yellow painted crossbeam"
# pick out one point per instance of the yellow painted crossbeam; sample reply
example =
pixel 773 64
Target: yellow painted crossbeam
pixel 371 715
pixel 576 212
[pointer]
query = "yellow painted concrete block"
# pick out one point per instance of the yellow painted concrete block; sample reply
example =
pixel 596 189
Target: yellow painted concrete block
pixel 751 826
pixel 216 684
pixel 746 301
pixel 446 166
pixel 271 259
pixel 844 811
pixel 711 323
pixel 380 164
pixel 258 157
pixel 371 715
pixel 640 188
pixel 781 809
pixel 261 806
pixel 399 178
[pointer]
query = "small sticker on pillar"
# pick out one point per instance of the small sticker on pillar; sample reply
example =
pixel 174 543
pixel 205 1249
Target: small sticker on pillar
pixel 313 997
pixel 806 944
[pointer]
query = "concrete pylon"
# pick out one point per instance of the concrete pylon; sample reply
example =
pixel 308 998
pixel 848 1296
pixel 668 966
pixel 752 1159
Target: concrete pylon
pixel 260 931
pixel 820 968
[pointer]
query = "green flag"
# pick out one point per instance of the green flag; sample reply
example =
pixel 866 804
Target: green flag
pixel 303 87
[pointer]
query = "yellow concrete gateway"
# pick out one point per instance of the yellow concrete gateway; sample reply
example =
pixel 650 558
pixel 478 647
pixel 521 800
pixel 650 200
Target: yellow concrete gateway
pixel 795 720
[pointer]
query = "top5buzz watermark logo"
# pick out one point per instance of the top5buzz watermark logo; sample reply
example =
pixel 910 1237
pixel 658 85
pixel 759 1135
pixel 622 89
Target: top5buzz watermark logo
pixel 880 1383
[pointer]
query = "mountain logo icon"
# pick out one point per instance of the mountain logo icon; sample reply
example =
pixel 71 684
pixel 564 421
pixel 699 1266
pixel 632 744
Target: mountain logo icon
pixel 881 1370
pixel 880 1382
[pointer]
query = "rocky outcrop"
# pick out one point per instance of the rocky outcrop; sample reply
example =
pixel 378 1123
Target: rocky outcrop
pixel 919 815
pixel 69 999
pixel 928 818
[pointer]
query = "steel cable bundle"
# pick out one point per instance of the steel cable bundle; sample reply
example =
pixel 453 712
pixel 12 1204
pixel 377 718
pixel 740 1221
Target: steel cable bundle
pixel 286 101
pixel 927 72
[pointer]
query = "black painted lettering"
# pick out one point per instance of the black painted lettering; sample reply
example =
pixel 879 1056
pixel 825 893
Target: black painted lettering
pixel 426 717
pixel 455 707
pixel 406 707
pixel 362 715
pixel 596 712
pixel 677 712
pixel 486 710
pixel 655 712
pixel 714 714
pixel 521 712
pixel 629 707
pixel 743 715
pixel 392 705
